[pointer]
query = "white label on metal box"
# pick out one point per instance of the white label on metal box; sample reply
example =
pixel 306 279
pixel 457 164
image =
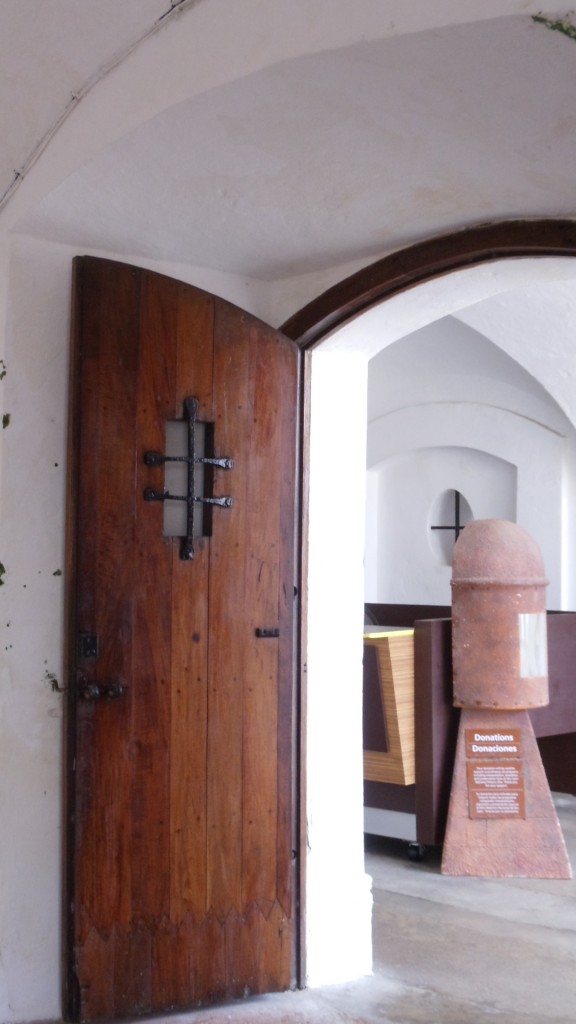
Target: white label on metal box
pixel 533 645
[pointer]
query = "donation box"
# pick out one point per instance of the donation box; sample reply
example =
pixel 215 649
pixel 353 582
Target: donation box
pixel 501 821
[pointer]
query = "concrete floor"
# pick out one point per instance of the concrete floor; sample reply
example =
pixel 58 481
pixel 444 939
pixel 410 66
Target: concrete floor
pixel 446 951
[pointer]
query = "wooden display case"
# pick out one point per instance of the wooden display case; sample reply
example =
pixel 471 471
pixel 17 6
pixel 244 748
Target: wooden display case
pixel 389 677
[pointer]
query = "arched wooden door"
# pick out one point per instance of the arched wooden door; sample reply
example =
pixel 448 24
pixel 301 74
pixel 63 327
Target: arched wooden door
pixel 182 823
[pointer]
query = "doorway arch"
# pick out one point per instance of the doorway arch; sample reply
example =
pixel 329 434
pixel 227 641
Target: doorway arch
pixel 340 331
pixel 426 261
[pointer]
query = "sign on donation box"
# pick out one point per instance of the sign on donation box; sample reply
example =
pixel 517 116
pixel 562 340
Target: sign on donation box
pixel 495 785
pixel 501 820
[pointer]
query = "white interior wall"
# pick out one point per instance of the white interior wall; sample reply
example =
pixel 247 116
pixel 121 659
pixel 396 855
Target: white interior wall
pixel 436 431
pixel 35 397
pixel 450 410
pixel 409 567
pixel 338 898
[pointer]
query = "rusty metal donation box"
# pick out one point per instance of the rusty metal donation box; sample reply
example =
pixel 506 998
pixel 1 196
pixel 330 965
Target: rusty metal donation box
pixel 499 650
pixel 502 820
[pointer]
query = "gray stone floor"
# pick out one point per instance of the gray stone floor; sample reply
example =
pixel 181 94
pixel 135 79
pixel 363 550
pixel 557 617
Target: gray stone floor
pixel 447 951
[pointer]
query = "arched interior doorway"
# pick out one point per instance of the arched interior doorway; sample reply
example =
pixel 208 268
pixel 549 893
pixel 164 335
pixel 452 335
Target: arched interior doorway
pixel 343 331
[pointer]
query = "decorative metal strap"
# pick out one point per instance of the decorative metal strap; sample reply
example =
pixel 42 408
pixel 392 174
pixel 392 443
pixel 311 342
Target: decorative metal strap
pixel 153 458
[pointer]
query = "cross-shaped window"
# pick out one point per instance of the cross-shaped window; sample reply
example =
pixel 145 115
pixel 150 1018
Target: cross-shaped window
pixel 451 513
pixel 457 526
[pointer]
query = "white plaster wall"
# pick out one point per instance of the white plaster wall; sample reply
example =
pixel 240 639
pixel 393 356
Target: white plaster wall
pixel 35 397
pixel 444 435
pixel 338 891
pixel 449 383
pixel 408 566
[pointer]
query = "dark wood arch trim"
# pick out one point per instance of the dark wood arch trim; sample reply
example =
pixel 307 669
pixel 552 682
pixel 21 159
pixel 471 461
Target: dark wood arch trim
pixel 424 261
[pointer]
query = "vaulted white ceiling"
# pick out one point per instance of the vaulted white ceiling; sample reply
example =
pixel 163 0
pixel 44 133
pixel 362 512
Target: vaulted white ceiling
pixel 458 364
pixel 314 159
pixel 50 51
pixel 272 143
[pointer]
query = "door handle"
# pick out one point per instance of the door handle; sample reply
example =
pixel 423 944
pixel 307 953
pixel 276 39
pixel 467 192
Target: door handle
pixel 93 691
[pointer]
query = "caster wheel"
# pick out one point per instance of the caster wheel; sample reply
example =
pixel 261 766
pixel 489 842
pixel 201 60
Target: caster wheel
pixel 416 851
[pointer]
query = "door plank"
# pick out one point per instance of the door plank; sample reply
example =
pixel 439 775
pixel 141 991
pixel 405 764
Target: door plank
pixel 132 970
pixel 152 650
pixel 194 345
pixel 97 961
pixel 102 809
pixel 229 610
pixel 287 781
pixel 260 782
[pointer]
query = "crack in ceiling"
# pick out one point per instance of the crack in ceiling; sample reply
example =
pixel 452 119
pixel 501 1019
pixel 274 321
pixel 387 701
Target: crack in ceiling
pixel 176 8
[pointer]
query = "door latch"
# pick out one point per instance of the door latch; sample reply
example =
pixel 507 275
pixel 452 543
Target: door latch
pixel 94 691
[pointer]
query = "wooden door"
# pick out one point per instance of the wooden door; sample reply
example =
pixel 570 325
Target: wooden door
pixel 182 844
